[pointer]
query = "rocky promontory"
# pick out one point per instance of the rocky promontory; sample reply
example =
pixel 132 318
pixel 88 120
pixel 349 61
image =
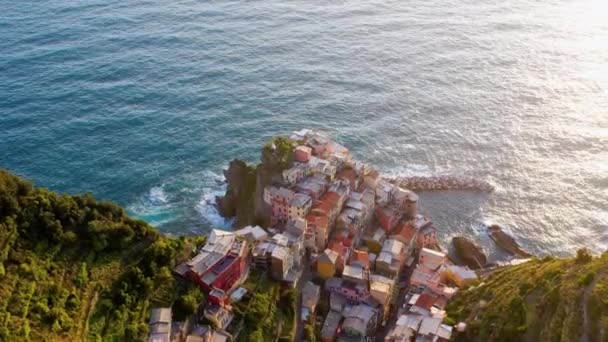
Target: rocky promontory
pixel 240 194
pixel 469 254
pixel 243 200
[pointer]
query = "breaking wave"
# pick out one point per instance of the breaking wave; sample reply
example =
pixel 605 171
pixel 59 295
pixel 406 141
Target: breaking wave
pixel 154 207
pixel 214 184
pixel 184 204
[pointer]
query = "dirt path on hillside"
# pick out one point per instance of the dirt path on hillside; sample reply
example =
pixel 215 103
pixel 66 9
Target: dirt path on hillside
pixel 588 290
pixel 90 308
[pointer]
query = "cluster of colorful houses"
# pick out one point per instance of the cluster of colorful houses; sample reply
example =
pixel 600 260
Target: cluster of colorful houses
pixel 422 313
pixel 355 232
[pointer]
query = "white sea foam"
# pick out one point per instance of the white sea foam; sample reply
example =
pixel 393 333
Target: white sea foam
pixel 157 195
pixel 164 204
pixel 214 185
pixel 408 171
pixel 154 207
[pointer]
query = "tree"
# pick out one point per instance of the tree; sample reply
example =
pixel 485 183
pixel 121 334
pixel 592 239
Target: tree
pixel 278 153
pixel 583 256
pixel 83 276
pixel 187 304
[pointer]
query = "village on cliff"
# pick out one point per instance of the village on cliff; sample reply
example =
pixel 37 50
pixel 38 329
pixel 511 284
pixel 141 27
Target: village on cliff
pixel 340 234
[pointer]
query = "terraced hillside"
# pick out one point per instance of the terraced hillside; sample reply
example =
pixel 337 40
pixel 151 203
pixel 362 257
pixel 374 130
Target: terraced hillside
pixel 541 300
pixel 75 269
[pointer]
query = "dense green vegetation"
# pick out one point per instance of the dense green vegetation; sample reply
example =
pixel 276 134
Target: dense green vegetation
pixel 73 268
pixel 266 312
pixel 278 153
pixel 541 300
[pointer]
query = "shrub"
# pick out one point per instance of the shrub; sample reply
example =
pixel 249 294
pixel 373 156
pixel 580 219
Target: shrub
pixel 583 256
pixel 586 279
pixel 187 304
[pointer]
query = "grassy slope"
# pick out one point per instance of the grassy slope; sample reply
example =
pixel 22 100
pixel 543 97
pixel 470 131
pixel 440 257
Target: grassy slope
pixel 542 300
pixel 74 269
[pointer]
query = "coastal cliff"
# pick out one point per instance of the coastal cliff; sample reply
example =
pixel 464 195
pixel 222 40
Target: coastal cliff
pixel 243 199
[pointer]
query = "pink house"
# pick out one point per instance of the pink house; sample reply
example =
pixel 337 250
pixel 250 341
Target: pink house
pixel 427 278
pixel 387 218
pixel 302 154
pixel 427 237
pixel 280 206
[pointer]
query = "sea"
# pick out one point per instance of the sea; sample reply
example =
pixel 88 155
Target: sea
pixel 144 103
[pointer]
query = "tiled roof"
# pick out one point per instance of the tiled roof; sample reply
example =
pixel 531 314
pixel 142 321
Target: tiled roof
pixel 300 200
pixel 318 221
pixel 406 231
pixel 328 256
pixel 327 202
pixel 425 301
pixel 355 272
pixel 348 174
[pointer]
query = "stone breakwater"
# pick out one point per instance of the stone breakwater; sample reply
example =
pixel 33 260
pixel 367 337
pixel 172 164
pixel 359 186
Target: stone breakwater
pixel 420 183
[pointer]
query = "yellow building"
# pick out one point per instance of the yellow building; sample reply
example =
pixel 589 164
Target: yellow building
pixel 326 264
pixel 374 241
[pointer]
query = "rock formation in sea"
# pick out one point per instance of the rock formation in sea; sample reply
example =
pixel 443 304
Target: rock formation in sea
pixel 506 242
pixel 468 253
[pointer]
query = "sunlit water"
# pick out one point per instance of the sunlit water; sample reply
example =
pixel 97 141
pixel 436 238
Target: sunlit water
pixel 144 102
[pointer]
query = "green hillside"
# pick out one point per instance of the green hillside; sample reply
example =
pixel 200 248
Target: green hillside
pixel 541 300
pixel 76 269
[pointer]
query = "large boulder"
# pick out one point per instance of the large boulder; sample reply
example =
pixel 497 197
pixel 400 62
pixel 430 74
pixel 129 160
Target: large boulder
pixel 506 242
pixel 469 254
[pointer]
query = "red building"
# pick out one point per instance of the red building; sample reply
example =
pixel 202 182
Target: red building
pixel 387 218
pixel 329 206
pixel 220 264
pixel 405 232
pixel 350 175
pixel 427 237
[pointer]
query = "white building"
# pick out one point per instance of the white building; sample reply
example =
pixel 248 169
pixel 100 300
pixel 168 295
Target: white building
pixel 355 274
pixel 295 174
pixel 384 192
pixel 252 233
pixel 431 259
pixel 160 325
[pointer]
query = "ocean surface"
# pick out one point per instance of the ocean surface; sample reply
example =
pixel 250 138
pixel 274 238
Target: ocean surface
pixel 145 102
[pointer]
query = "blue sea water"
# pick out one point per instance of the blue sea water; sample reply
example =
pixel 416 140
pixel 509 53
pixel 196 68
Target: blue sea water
pixel 145 102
